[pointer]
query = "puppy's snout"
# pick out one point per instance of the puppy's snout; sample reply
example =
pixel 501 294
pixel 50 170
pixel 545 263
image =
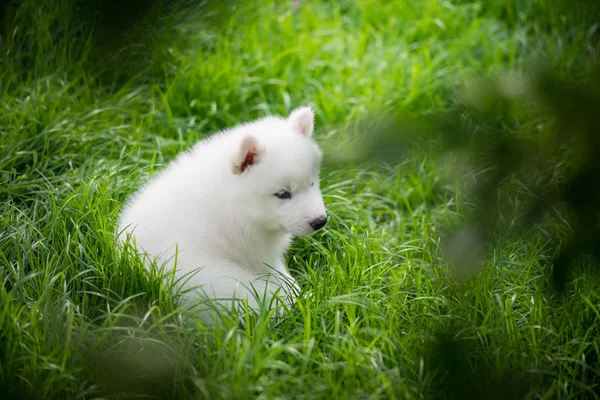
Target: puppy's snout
pixel 319 222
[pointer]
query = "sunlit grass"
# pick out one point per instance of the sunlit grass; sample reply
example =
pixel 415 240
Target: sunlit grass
pixel 80 319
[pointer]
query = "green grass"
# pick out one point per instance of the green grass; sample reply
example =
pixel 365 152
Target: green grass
pixel 80 129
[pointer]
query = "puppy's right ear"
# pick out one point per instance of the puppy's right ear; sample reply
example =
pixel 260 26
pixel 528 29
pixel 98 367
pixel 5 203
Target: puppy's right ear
pixel 302 120
pixel 248 154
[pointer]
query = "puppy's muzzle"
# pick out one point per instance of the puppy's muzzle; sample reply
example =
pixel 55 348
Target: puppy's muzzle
pixel 319 222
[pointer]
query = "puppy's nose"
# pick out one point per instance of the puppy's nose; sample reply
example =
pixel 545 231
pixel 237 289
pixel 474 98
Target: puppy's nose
pixel 319 222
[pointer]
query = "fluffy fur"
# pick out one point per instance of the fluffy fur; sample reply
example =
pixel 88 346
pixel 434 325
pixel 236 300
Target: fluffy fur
pixel 224 208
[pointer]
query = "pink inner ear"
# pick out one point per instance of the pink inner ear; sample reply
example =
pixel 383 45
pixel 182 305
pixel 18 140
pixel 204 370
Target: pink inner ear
pixel 250 158
pixel 305 125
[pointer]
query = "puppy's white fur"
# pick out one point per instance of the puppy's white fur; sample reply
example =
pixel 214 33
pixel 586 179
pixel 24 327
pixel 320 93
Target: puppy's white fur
pixel 217 207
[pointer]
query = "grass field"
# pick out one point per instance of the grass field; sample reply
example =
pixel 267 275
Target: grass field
pixel 86 114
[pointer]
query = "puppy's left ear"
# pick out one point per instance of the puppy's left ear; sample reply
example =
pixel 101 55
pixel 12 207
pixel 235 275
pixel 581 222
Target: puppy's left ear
pixel 248 155
pixel 302 121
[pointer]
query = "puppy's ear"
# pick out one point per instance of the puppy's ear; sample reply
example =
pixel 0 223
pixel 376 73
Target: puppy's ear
pixel 302 120
pixel 248 154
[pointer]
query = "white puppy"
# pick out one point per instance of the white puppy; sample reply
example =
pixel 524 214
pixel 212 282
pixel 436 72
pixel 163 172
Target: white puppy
pixel 225 212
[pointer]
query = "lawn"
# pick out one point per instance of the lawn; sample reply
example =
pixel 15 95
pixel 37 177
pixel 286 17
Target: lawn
pixel 88 111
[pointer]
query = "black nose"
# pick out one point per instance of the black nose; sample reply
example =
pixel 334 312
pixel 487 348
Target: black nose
pixel 318 223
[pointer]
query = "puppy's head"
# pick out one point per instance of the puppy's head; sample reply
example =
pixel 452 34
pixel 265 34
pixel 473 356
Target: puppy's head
pixel 278 164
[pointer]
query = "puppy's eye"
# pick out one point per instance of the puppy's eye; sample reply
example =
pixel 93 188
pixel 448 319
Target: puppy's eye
pixel 283 195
